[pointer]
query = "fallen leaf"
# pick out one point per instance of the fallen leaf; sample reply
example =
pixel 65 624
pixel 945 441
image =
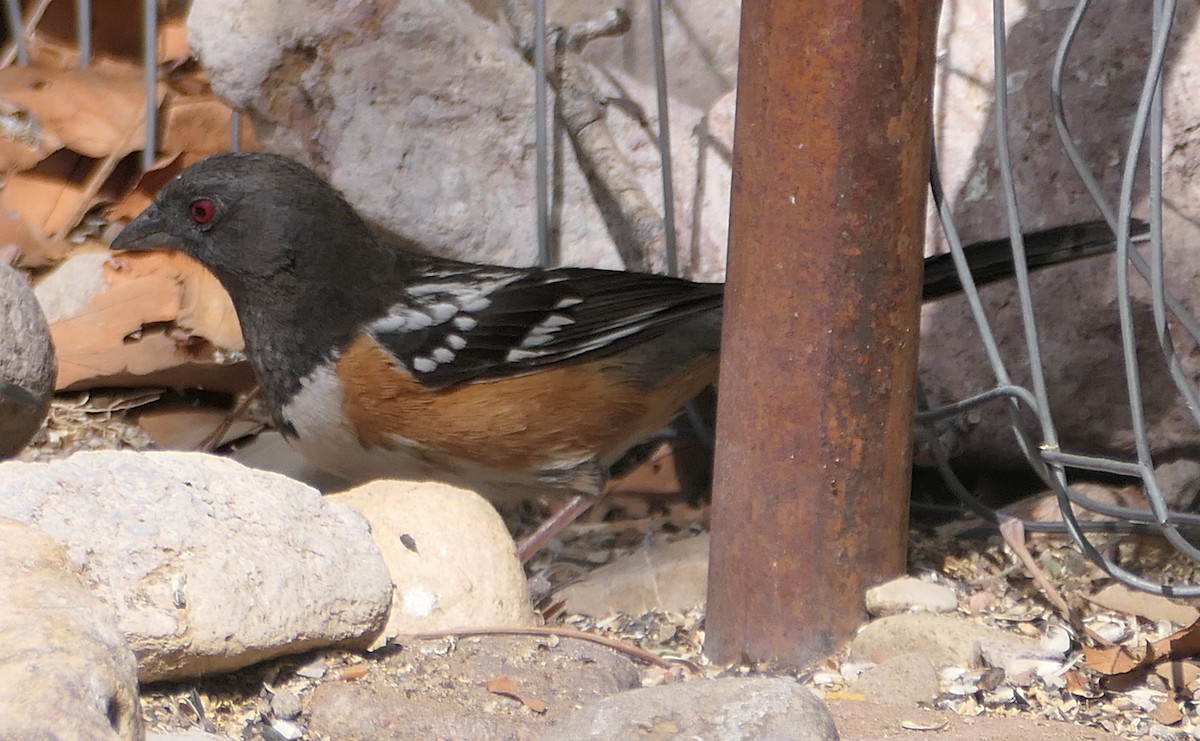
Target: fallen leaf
pixel 1112 660
pixel 153 311
pixel 504 685
pixel 912 725
pixel 98 111
pixel 142 195
pixel 31 248
pixel 1167 713
pixel 1078 686
pixel 1118 660
pixel 1123 599
pixel 1180 676
pixel 199 124
pixel 172 40
pixel 175 427
pixel 49 195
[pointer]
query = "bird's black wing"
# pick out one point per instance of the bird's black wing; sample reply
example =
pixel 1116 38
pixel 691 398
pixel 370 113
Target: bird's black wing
pixel 470 322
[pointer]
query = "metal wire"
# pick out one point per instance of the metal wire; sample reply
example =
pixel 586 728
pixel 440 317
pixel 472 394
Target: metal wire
pixel 12 12
pixel 541 136
pixel 664 135
pixel 1042 448
pixel 150 76
pixel 83 31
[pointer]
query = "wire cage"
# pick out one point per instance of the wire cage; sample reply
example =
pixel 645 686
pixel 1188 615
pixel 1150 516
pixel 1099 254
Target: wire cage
pixel 1018 391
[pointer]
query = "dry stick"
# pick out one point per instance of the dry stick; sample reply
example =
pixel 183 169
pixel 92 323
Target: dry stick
pixel 1013 532
pixel 581 107
pixel 213 439
pixel 634 652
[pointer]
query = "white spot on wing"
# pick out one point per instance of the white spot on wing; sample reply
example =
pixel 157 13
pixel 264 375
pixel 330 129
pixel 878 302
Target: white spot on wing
pixel 424 365
pixel 568 302
pixel 479 303
pixel 443 355
pixel 465 323
pixel 455 342
pixel 516 355
pixel 400 319
pixel 442 311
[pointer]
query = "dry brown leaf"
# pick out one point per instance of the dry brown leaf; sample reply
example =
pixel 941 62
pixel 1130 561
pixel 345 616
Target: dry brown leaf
pixel 142 194
pixel 204 307
pixel 1113 660
pixel 1179 675
pixel 172 40
pixel 98 111
pixel 32 248
pixel 1123 599
pixel 1182 644
pixel 106 337
pixel 48 195
pixel 20 155
pixel 504 685
pixel 1167 713
pixel 1116 660
pixel 175 427
pixel 200 124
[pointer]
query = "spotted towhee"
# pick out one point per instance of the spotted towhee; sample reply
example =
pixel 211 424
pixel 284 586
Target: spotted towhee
pixel 378 361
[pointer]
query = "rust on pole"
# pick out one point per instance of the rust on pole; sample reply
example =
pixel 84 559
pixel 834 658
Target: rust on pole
pixel 814 423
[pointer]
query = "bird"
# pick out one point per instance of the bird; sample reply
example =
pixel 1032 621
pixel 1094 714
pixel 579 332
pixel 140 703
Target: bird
pixel 378 360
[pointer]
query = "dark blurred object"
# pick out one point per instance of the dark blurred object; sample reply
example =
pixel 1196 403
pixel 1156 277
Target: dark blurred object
pixel 27 363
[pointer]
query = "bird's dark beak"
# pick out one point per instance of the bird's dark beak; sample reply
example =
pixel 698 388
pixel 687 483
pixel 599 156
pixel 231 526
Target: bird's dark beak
pixel 146 232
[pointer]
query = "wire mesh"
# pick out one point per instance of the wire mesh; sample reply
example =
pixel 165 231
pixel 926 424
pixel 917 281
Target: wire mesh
pixel 1042 446
pixel 1039 441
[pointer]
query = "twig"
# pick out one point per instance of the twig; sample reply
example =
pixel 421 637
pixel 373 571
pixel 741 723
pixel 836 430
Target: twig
pixel 640 236
pixel 1013 532
pixel 634 652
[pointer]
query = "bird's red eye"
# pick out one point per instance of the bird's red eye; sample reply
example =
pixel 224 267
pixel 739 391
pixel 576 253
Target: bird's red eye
pixel 202 210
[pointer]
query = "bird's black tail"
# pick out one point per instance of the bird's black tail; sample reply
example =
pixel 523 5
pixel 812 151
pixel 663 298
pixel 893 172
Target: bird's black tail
pixel 993 261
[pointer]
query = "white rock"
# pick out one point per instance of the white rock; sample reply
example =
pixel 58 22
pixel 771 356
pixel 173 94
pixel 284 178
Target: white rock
pixel 65 670
pixel 210 566
pixel 907 594
pixel 451 558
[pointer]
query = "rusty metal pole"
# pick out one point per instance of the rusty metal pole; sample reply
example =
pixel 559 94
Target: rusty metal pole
pixel 814 423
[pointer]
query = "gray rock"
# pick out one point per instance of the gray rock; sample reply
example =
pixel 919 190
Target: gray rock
pixel 65 670
pixel 452 560
pixel 727 709
pixel 904 678
pixel 210 566
pixel 907 594
pixel 946 640
pixel 420 112
pixel 439 689
pixel 27 363
pixel 664 576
